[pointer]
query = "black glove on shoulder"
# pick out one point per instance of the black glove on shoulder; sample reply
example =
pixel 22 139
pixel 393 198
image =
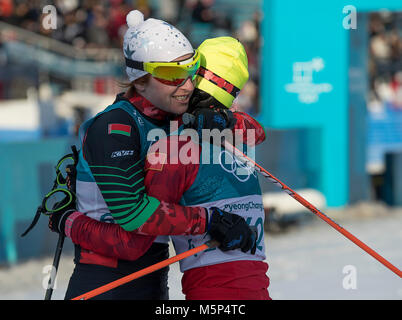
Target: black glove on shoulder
pixel 209 113
pixel 213 118
pixel 231 231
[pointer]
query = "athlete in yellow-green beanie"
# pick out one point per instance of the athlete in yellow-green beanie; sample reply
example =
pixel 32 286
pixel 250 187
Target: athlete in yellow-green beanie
pixel 224 69
pixel 221 76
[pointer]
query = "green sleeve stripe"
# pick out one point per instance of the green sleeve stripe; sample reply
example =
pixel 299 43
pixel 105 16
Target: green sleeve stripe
pixel 125 192
pixel 119 184
pixel 121 199
pixel 115 175
pixel 141 217
pixel 127 205
pixel 124 215
pixel 117 168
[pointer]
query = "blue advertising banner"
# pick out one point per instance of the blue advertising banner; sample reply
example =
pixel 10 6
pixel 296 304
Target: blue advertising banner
pixel 305 65
pixel 385 134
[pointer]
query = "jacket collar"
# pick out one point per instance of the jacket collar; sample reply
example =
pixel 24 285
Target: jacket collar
pixel 146 107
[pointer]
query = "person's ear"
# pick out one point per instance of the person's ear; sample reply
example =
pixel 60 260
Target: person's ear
pixel 140 84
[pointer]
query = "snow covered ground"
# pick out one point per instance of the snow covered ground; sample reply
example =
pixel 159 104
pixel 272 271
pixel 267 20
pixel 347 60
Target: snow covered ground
pixel 309 262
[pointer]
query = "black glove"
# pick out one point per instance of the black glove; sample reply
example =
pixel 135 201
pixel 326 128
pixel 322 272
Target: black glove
pixel 209 113
pixel 212 118
pixel 202 99
pixel 57 220
pixel 231 231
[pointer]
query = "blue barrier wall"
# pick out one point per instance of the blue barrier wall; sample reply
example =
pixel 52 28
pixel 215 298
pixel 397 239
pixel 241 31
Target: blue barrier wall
pixel 26 175
pixel 305 79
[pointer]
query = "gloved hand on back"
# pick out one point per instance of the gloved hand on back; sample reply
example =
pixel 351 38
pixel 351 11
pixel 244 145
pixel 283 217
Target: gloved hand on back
pixel 231 231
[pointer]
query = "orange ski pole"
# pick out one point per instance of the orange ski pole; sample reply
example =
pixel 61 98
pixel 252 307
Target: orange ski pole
pixel 145 271
pixel 244 158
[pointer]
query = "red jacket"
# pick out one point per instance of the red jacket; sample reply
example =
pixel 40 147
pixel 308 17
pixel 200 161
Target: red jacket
pixel 112 242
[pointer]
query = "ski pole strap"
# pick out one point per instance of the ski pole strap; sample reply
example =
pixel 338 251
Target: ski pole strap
pixel 59 175
pixel 62 185
pixel 41 210
pixel 72 171
pixel 69 197
pixel 34 221
pixel 47 208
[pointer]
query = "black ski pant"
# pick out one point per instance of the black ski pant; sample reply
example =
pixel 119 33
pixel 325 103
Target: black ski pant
pixel 153 286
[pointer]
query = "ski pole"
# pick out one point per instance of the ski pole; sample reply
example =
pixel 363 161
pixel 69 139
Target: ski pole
pixel 56 261
pixel 245 159
pixel 145 271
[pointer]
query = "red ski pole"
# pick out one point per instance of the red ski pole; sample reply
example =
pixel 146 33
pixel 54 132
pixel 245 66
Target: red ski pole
pixel 245 159
pixel 145 271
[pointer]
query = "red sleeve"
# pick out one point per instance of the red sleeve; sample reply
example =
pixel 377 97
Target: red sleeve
pixel 109 239
pixel 166 181
pixel 167 178
pixel 244 123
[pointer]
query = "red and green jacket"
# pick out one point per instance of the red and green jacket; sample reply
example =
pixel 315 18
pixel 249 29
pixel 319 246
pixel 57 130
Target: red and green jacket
pixel 120 218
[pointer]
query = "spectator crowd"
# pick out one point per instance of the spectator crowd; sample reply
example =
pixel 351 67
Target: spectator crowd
pixel 102 24
pixel 385 63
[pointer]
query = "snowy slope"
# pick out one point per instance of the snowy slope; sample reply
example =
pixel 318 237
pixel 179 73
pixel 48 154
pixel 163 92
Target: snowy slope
pixel 305 263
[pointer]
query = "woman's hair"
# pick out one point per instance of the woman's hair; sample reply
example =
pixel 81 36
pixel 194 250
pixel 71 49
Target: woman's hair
pixel 130 84
pixel 125 84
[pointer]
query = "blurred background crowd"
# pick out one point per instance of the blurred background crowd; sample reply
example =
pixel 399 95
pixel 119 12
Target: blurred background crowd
pixel 61 62
pixel 95 24
pixel 53 79
pixel 101 24
pixel 385 64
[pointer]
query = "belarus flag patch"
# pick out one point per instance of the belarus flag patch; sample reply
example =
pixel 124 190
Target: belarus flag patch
pixel 119 128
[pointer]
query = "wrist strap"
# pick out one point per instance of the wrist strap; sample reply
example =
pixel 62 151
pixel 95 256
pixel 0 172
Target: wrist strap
pixel 69 222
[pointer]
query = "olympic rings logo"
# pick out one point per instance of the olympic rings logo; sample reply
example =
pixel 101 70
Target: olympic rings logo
pixel 240 170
